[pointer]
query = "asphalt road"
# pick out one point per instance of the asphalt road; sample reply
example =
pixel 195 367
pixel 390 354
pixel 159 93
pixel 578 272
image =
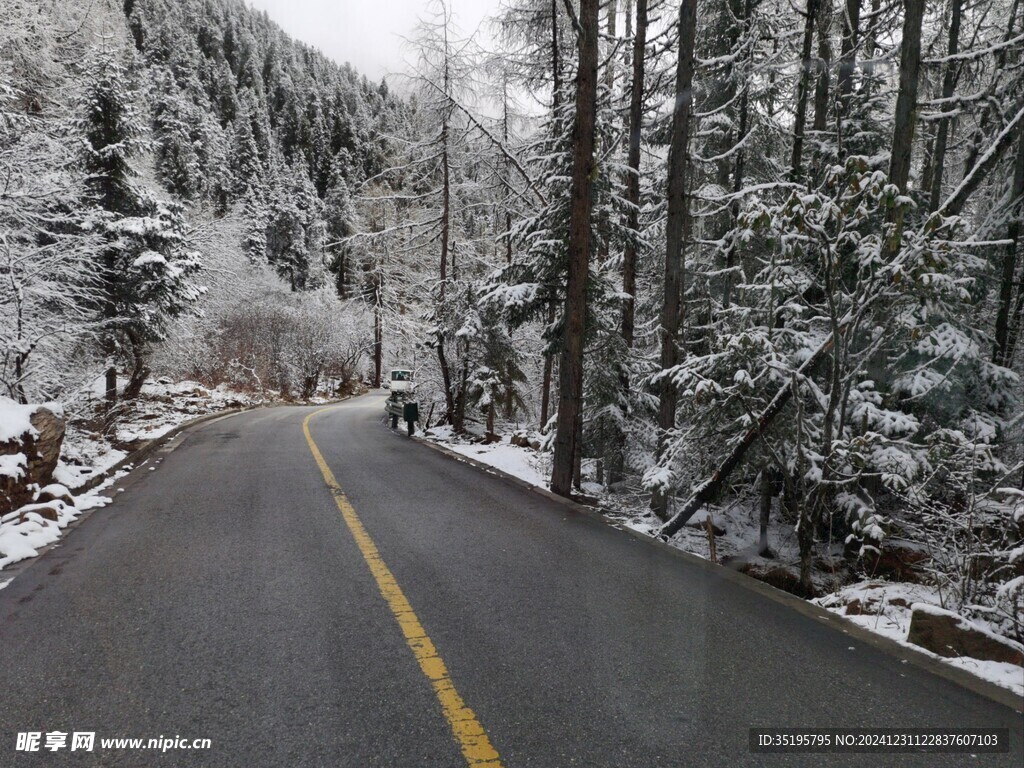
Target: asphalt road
pixel 223 596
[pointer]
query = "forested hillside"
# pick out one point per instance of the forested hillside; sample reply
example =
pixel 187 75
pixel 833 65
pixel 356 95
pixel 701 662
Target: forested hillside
pixel 164 162
pixel 242 113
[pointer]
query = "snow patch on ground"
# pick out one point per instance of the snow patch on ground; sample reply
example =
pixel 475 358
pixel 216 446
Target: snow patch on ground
pixel 13 465
pixel 83 458
pixel 15 420
pixel 886 608
pixel 161 407
pixel 880 607
pixel 24 531
pixel 526 464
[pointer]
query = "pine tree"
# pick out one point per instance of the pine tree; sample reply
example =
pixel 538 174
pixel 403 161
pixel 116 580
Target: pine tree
pixel 146 270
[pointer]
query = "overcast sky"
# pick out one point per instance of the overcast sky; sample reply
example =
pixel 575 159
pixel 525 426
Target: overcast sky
pixel 365 33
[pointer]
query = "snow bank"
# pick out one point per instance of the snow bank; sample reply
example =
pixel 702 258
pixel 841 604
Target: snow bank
pixel 885 609
pixel 13 465
pixel 25 531
pixel 524 463
pixel 161 407
pixel 15 420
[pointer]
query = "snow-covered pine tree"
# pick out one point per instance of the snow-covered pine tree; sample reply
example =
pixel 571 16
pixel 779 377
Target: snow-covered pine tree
pixel 47 279
pixel 146 269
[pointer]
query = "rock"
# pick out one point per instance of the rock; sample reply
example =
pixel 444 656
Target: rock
pixel 49 511
pixel 14 489
pixel 951 635
pixel 39 442
pixel 857 607
pixel 898 560
pixel 55 492
pixel 50 426
pixel 525 440
pixel 780 577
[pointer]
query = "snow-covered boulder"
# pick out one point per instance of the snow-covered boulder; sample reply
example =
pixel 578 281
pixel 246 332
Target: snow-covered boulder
pixel 30 442
pixel 948 634
pixel 55 492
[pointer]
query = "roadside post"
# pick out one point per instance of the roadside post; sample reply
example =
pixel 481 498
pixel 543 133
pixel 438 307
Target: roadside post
pixel 411 412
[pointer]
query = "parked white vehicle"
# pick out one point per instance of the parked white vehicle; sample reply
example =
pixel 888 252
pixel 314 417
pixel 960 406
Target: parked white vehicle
pixel 401 380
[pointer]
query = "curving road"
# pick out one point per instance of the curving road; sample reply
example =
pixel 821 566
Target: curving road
pixel 232 595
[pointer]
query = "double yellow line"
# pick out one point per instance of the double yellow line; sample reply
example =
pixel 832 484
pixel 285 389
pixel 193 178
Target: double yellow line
pixel 476 747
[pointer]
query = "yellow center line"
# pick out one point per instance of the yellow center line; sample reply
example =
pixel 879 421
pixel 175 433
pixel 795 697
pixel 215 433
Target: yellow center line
pixel 468 731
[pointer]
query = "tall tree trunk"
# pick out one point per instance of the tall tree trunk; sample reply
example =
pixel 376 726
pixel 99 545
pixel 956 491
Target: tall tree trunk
pixel 906 120
pixel 824 67
pixel 629 253
pixel 611 15
pixel 627 16
pixel 803 91
pixel 848 52
pixel 847 68
pixel 1016 321
pixel 556 60
pixel 509 383
pixel 1002 352
pixel 983 121
pixel 378 332
pixel 767 492
pixel 556 103
pixel 446 376
pixel 570 373
pixel 739 166
pixel 577 460
pixel 549 359
pixel 676 232
pixel 949 76
pixel 721 93
pixel 109 338
pixel 636 116
pixel 904 126
pixel 460 399
pixel 140 367
pixel 871 48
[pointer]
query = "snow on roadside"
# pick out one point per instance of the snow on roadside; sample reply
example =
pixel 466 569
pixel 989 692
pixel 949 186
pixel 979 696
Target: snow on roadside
pixel 25 531
pixel 526 464
pixel 884 608
pixel 15 420
pixel 161 407
pixel 83 458
pixel 877 606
